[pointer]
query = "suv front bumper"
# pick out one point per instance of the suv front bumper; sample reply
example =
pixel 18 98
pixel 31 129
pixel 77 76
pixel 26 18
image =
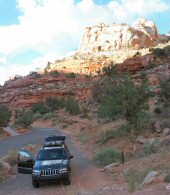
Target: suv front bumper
pixel 50 177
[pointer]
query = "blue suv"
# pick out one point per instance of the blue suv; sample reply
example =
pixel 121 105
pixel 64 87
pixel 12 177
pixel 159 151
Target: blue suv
pixel 53 162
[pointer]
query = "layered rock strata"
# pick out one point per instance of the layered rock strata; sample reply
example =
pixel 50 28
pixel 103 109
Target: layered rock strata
pixel 103 38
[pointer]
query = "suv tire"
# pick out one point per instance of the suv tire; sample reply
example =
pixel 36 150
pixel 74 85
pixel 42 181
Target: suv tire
pixel 67 181
pixel 35 184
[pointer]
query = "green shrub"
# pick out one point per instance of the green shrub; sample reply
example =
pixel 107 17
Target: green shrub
pixel 52 103
pixel 1 164
pixel 16 77
pixel 134 178
pixel 48 115
pixel 24 118
pixel 35 74
pixel 122 131
pixel 40 107
pixel 55 103
pixel 147 149
pixel 84 111
pixel 106 156
pixel 106 135
pixel 88 76
pixel 54 73
pixel 158 52
pixel 97 90
pixel 165 123
pixel 37 115
pixel 120 98
pixel 167 178
pixel 167 50
pixel 119 132
pixel 110 70
pixel 150 65
pixel 72 106
pixel 54 121
pixel 5 115
pixel 71 75
pixel 157 110
pixel 165 91
pixel 83 139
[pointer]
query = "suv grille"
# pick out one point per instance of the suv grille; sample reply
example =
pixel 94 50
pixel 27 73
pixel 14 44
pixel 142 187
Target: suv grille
pixel 49 172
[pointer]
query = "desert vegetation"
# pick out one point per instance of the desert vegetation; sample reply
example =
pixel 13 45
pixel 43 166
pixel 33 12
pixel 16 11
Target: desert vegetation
pixel 5 115
pixel 106 156
pixel 119 97
pixel 52 104
pixel 23 118
pixel 161 52
pixel 45 110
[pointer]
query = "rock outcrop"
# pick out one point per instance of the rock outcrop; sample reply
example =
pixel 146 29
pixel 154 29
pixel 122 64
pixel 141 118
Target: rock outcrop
pixel 27 91
pixel 103 38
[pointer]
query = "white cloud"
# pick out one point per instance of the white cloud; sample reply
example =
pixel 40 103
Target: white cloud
pixel 3 60
pixel 129 10
pixel 54 27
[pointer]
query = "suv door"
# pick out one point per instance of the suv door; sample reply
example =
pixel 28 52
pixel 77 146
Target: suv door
pixel 25 162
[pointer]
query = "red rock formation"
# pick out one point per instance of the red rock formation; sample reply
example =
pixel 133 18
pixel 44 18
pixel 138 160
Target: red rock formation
pixel 136 63
pixel 27 91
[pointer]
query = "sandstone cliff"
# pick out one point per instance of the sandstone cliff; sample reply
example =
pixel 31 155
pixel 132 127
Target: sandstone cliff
pixel 103 38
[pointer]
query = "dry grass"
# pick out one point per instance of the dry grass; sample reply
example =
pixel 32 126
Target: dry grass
pixel 11 157
pixel 3 134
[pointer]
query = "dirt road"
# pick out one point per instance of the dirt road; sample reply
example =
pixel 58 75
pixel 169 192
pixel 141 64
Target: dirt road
pixel 84 173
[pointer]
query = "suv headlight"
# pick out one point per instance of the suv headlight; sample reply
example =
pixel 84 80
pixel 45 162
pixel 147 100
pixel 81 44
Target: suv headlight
pixel 36 172
pixel 63 170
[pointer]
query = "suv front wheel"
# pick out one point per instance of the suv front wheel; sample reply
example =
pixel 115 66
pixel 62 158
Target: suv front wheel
pixel 67 181
pixel 35 184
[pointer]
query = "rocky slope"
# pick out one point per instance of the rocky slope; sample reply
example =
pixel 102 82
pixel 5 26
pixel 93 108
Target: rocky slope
pixel 27 91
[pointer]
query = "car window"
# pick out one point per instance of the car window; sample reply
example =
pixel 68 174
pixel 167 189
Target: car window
pixel 24 156
pixel 52 154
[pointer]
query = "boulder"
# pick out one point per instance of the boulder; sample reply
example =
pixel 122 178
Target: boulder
pixel 168 187
pixel 166 131
pixel 140 139
pixel 167 140
pixel 153 177
pixel 157 126
pixel 109 168
pixel 149 178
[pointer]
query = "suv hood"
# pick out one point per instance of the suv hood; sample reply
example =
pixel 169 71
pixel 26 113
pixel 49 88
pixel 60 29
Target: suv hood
pixel 52 164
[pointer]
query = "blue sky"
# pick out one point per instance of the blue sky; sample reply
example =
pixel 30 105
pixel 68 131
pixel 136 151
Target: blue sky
pixel 33 32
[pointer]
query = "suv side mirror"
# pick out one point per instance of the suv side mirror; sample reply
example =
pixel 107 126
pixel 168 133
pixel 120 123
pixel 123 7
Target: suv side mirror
pixel 71 156
pixel 31 160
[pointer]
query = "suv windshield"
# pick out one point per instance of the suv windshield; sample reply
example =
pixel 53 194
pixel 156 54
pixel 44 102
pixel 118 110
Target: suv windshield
pixel 52 154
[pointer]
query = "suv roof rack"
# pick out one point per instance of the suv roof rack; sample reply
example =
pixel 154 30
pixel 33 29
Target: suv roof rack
pixel 53 144
pixel 54 141
pixel 55 138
